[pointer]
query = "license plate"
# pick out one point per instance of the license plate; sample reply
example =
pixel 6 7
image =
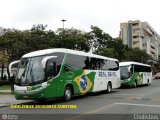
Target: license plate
pixel 25 96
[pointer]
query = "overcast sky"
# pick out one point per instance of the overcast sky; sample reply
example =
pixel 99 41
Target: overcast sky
pixel 80 14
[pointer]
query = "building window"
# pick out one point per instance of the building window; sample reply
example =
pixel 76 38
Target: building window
pixel 144 44
pixel 135 24
pixel 152 47
pixel 135 42
pixel 136 36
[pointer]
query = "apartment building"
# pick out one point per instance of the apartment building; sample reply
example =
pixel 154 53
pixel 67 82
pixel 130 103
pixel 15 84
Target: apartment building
pixel 142 35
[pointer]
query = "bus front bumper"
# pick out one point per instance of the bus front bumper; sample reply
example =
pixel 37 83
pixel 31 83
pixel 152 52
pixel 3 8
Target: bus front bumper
pixel 34 96
pixel 23 93
pixel 126 83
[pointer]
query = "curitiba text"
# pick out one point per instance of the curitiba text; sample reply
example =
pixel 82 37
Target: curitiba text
pixel 43 106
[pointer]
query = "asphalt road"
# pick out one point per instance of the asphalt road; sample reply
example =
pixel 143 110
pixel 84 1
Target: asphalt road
pixel 118 104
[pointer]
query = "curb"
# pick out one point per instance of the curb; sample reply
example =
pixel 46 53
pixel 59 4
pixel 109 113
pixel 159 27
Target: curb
pixel 4 105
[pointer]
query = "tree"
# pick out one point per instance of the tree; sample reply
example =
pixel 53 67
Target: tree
pixel 11 44
pixel 71 39
pixel 119 48
pixel 108 52
pixel 98 38
pixel 15 43
pixel 138 55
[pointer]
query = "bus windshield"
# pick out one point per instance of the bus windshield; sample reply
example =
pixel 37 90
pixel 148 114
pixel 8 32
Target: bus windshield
pixel 125 73
pixel 30 71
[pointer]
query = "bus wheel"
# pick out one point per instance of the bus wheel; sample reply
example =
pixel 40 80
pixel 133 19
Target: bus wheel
pixel 109 87
pixel 41 100
pixel 67 93
pixel 135 84
pixel 148 82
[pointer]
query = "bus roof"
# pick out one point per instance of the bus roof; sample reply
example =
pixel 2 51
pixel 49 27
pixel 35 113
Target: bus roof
pixel 132 63
pixel 63 50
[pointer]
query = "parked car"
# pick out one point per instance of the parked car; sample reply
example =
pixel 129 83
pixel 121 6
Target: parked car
pixel 157 76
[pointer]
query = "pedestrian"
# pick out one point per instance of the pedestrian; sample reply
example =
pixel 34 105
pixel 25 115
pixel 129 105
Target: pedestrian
pixel 12 83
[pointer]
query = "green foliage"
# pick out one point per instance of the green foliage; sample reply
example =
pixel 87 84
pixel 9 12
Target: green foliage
pixel 98 39
pixel 138 55
pixel 72 39
pixel 15 43
pixel 108 52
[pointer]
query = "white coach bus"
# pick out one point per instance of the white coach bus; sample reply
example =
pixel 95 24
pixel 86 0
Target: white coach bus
pixel 134 73
pixel 53 73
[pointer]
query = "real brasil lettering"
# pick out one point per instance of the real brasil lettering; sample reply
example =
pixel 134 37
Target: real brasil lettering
pixel 106 74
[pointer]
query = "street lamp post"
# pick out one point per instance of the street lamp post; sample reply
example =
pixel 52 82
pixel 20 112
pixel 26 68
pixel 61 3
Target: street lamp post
pixel 63 20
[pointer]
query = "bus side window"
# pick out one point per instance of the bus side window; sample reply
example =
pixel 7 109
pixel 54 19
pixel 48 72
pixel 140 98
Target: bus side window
pixel 112 65
pixel 58 62
pixel 87 63
pixel 76 62
pixel 51 70
pixel 93 64
pixel 104 67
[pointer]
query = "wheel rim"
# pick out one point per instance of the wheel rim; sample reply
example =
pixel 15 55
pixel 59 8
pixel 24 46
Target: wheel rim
pixel 135 85
pixel 109 88
pixel 148 82
pixel 68 94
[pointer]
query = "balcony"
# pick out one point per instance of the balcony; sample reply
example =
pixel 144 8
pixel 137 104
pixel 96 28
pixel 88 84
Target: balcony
pixel 135 45
pixel 153 46
pixel 136 33
pixel 153 51
pixel 135 25
pixel 147 31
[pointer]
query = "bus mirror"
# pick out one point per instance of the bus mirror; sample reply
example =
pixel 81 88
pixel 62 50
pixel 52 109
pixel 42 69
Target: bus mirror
pixel 44 60
pixel 11 64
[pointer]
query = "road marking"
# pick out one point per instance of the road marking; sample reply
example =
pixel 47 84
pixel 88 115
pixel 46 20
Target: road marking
pixel 90 112
pixel 145 105
pixel 128 94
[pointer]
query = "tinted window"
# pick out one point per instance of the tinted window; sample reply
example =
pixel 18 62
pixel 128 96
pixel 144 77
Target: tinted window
pixel 77 62
pixel 93 64
pixel 139 68
pixel 83 62
pixel 112 65
pixel 53 65
pixel 97 64
pixel 57 61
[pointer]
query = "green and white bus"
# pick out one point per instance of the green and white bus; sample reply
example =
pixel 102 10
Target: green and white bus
pixel 134 73
pixel 53 73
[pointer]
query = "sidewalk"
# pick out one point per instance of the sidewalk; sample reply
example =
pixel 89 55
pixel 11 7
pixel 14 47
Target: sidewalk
pixel 5 91
pixel 8 99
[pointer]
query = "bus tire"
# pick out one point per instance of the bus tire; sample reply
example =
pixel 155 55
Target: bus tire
pixel 135 84
pixel 109 87
pixel 67 93
pixel 148 82
pixel 41 100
